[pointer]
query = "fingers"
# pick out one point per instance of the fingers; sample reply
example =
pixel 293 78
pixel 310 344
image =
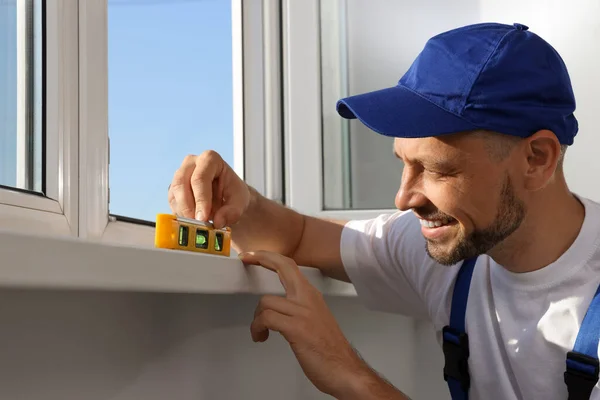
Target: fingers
pixel 277 304
pixel 217 197
pixel 181 198
pixel 280 304
pixel 227 215
pixel 289 274
pixel 191 191
pixel 234 194
pixel 172 202
pixel 206 188
pixel 237 199
pixel 269 320
pixel 209 165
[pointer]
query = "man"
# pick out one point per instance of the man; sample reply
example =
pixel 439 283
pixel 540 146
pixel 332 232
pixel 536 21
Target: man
pixel 481 121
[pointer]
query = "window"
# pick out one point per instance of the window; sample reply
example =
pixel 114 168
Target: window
pixel 39 116
pixel 21 127
pixel 360 170
pixel 169 95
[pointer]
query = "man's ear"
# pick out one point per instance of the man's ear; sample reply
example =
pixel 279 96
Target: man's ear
pixel 542 150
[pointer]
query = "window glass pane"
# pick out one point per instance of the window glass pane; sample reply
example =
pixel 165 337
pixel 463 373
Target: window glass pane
pixel 368 46
pixel 21 100
pixel 170 95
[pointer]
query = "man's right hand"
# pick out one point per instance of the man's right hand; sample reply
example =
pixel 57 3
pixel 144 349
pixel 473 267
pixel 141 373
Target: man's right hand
pixel 206 188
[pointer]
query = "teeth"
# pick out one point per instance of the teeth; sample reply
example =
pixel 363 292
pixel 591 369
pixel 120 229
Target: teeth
pixel 433 224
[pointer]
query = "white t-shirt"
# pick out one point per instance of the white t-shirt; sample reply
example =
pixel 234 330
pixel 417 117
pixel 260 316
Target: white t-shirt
pixel 520 326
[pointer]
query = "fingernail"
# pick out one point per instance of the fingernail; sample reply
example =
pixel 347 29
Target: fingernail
pixel 200 216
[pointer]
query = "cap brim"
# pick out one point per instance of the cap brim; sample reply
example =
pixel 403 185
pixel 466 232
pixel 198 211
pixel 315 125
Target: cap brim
pixel 399 112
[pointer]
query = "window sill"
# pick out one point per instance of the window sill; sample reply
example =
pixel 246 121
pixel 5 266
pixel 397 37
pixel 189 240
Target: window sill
pixel 31 261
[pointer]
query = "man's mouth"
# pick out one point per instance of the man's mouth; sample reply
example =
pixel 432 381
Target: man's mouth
pixel 436 223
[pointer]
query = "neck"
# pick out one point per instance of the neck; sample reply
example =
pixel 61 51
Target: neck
pixel 548 231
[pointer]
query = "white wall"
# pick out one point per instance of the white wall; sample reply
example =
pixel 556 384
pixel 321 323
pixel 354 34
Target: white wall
pixel 73 345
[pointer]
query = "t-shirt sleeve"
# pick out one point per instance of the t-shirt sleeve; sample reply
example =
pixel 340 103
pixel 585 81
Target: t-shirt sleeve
pixel 387 262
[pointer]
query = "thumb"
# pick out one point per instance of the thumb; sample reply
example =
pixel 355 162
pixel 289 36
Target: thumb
pixel 236 199
pixel 227 215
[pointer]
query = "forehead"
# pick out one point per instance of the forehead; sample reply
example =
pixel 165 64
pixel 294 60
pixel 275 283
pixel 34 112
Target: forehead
pixel 447 148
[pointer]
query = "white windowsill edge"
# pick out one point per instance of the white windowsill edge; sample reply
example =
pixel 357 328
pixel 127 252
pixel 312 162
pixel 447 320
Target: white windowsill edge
pixel 42 262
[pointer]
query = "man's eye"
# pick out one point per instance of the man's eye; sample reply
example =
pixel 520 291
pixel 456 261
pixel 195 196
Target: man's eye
pixel 440 174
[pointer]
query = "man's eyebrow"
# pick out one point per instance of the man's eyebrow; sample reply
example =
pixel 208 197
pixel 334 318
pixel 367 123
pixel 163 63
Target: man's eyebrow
pixel 441 164
pixel 438 163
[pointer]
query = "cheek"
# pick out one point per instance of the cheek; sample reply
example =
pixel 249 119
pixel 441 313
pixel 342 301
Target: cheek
pixel 449 196
pixel 470 206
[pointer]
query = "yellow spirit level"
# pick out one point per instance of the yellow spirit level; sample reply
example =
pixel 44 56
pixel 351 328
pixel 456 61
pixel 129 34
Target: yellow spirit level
pixel 173 232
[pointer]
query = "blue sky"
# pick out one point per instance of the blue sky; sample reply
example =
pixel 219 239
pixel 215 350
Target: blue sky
pixel 8 91
pixel 170 94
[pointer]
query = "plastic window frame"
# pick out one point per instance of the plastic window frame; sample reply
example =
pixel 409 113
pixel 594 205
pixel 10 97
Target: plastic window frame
pixel 55 211
pixel 302 110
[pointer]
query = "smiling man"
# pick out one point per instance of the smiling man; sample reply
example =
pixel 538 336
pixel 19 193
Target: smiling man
pixel 489 243
pixel 462 189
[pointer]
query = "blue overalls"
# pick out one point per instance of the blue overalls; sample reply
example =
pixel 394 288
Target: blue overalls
pixel 582 363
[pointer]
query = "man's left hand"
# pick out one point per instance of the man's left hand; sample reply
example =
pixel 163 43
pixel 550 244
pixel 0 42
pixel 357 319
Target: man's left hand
pixel 304 320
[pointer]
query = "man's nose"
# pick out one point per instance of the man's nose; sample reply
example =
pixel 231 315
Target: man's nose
pixel 409 194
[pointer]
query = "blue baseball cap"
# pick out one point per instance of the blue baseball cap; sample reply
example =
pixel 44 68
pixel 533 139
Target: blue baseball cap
pixel 487 76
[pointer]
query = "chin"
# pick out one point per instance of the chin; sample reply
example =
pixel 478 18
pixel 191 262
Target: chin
pixel 450 252
pixel 441 254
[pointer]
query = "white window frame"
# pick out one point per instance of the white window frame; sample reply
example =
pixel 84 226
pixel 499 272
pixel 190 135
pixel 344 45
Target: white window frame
pixel 100 252
pixel 257 121
pixel 303 120
pixel 54 212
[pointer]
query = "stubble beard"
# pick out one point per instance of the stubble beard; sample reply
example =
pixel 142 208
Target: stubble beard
pixel 511 213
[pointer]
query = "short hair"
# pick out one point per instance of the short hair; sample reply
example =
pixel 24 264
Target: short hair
pixel 500 145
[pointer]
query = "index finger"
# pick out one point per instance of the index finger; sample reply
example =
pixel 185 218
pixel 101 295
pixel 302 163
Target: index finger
pixel 208 167
pixel 180 194
pixel 289 274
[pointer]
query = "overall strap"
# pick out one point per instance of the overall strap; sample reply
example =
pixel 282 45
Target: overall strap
pixel 455 338
pixel 582 362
